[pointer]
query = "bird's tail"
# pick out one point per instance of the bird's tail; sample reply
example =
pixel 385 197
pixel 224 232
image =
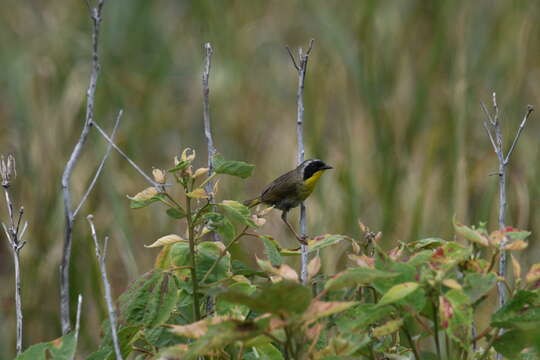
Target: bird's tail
pixel 252 202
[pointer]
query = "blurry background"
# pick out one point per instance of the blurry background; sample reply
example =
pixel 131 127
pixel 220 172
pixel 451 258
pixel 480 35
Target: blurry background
pixel 392 102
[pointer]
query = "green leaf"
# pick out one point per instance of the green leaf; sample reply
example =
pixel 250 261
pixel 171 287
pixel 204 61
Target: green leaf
pixel 238 211
pixel 521 311
pixel 518 235
pixel 236 311
pixel 231 167
pixel 126 336
pixel 207 254
pixel 271 251
pixel 277 298
pixel 323 241
pixel 513 342
pixel 356 276
pixel 406 273
pixel 420 258
pixel 175 213
pixel 476 285
pixel 268 352
pixel 150 300
pixel 219 223
pixel 447 257
pixel 182 165
pixel 62 348
pixel 398 292
pixel 458 316
pixel 360 317
pixel 470 234
pixel 428 243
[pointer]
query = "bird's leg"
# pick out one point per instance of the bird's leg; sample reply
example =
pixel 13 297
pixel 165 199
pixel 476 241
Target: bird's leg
pixel 300 238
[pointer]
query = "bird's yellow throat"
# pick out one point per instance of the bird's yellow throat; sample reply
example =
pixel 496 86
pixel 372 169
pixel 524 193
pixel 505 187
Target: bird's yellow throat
pixel 310 182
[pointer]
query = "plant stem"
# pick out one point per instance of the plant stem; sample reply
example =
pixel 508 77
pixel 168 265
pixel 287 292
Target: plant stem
pixel 411 342
pixel 489 345
pixel 192 250
pixel 301 68
pixel 223 253
pixel 436 328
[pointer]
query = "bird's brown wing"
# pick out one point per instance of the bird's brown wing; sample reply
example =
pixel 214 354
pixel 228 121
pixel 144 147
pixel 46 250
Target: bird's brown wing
pixel 283 186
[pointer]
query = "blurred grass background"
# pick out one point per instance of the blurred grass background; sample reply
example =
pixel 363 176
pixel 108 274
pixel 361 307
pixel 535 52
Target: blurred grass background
pixel 392 102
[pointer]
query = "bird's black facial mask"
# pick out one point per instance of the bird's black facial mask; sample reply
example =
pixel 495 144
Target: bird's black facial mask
pixel 313 167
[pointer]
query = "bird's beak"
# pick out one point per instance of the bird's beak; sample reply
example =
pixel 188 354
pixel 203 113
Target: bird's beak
pixel 327 167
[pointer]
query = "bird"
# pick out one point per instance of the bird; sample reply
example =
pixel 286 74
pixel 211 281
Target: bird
pixel 291 189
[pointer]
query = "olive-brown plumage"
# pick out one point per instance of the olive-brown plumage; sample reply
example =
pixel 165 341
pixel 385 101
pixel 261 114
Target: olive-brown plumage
pixel 291 189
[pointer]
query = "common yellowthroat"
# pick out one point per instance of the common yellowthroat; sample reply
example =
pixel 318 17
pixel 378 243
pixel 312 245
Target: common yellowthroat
pixel 291 189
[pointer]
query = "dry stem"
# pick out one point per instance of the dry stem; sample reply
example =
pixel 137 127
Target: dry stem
pixel 101 255
pixel 95 15
pixel 301 67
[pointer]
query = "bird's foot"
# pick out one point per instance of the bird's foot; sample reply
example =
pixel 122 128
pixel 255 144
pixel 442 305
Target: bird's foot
pixel 303 239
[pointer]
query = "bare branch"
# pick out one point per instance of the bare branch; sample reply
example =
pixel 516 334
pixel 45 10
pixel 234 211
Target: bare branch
pixel 292 58
pixel 209 187
pixel 101 254
pixel 95 15
pixel 530 109
pixel 497 144
pixel 78 320
pixel 131 162
pixel 100 167
pixel 486 112
pixel 491 137
pixel 301 67
pixel 8 172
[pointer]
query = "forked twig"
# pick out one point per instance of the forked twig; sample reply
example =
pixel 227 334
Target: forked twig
pixel 14 235
pixel 301 68
pixel 493 125
pixel 95 16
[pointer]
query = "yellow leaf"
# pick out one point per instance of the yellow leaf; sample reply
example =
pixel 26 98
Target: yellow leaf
pixel 165 240
pixel 452 284
pixel 197 194
pixel 144 195
pixel 200 172
pixel 516 245
pixel 159 176
pixel 196 329
pixel 188 154
pixel 313 267
pixel 387 328
pixel 516 267
pixel 534 274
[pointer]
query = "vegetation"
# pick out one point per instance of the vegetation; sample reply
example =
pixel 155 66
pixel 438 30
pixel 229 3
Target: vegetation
pixel 392 102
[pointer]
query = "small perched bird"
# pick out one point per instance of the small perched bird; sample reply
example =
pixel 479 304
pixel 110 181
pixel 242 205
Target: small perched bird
pixel 291 189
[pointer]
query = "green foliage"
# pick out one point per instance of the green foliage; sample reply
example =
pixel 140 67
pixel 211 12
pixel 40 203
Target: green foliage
pixel 62 348
pixel 199 301
pixel 234 168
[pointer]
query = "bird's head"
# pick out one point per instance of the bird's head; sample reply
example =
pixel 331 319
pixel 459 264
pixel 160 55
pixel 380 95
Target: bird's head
pixel 313 168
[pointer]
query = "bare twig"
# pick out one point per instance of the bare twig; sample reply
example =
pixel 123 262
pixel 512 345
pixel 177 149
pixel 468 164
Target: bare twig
pixel 14 236
pixel 95 15
pixel 301 68
pixel 78 320
pixel 209 187
pixel 101 254
pixel 100 167
pixel 131 162
pixel 530 109
pixel 504 161
pixel 222 255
